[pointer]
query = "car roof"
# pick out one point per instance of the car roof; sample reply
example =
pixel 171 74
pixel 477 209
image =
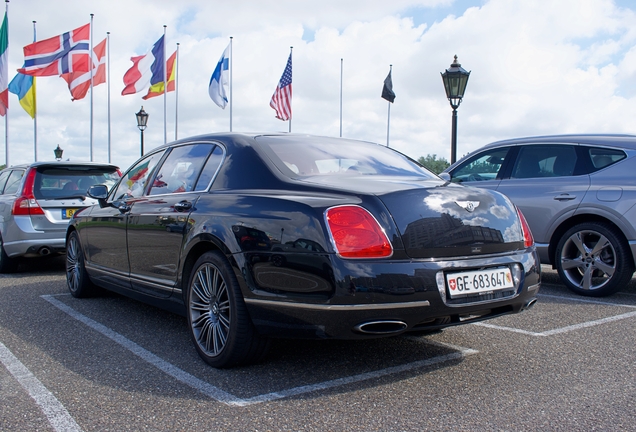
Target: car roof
pixel 249 138
pixel 614 140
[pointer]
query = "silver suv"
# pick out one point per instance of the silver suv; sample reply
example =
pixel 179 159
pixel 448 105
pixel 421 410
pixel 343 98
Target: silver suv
pixel 578 194
pixel 37 202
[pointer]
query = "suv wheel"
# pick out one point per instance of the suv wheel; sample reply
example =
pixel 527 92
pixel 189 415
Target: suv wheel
pixel 593 260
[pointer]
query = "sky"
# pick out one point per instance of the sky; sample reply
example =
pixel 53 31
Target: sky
pixel 537 68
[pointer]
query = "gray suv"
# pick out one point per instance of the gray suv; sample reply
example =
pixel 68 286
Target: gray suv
pixel 578 194
pixel 37 202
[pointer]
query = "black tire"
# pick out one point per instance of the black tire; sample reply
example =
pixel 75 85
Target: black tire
pixel 593 259
pixel 7 264
pixel 77 280
pixel 219 324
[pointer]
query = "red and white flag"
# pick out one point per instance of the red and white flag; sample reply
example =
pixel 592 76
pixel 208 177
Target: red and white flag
pixel 65 53
pixel 80 82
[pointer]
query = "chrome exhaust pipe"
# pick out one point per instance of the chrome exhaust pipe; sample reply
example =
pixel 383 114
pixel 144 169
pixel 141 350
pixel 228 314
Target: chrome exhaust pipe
pixel 529 304
pixel 384 327
pixel 44 251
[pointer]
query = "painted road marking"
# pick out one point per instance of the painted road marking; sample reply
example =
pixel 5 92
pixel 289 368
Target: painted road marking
pixel 229 399
pixel 58 417
pixel 571 327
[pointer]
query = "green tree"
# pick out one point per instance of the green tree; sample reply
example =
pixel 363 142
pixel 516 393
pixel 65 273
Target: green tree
pixel 433 164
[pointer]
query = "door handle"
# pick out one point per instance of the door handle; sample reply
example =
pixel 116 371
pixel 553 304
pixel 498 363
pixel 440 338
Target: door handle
pixel 182 206
pixel 565 197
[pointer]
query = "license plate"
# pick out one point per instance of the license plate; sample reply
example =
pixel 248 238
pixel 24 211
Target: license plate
pixel 479 281
pixel 68 213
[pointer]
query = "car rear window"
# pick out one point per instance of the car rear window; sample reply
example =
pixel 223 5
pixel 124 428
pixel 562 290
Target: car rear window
pixel 333 157
pixel 58 182
pixel 603 157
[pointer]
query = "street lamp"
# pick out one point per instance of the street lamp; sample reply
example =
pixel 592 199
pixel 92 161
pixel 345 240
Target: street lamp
pixel 58 152
pixel 455 79
pixel 142 122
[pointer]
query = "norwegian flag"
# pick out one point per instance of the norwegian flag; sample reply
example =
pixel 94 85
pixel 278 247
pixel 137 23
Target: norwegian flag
pixel 80 82
pixel 66 53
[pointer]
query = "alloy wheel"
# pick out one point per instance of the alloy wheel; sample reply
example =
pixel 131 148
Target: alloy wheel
pixel 210 310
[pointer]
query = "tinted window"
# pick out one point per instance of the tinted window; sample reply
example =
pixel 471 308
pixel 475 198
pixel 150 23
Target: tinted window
pixel 13 183
pixel 4 175
pixel 181 169
pixel 484 166
pixel 603 157
pixel 57 182
pixel 133 183
pixel 331 157
pixel 545 161
pixel 211 166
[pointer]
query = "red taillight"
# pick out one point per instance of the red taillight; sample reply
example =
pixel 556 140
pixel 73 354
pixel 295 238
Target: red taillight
pixel 528 240
pixel 26 204
pixel 356 233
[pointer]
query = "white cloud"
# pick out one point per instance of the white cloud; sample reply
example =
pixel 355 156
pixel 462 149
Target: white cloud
pixel 536 68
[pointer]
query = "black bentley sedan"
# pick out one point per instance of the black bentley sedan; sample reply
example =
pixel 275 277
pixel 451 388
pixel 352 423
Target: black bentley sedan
pixel 253 236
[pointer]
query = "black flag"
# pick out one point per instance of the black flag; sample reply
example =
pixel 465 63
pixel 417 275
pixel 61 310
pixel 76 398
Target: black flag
pixel 387 90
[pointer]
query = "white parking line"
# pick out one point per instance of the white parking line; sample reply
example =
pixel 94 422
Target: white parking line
pixel 54 411
pixel 229 399
pixel 572 327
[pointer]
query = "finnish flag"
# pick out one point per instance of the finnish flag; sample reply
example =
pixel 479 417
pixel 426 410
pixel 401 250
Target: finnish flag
pixel 220 80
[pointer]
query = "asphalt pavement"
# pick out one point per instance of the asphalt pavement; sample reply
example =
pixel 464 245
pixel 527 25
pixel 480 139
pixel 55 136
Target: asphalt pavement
pixel 113 364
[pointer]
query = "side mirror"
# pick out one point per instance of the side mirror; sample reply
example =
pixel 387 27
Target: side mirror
pixel 100 193
pixel 445 176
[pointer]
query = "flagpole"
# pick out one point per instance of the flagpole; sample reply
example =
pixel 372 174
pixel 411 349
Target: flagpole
pixel 165 89
pixel 6 116
pixel 35 109
pixel 176 95
pixel 290 99
pixel 388 122
pixel 108 81
pixel 231 71
pixel 341 68
pixel 92 66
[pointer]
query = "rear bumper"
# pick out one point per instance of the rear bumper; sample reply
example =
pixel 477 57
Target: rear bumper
pixel 20 238
pixel 373 299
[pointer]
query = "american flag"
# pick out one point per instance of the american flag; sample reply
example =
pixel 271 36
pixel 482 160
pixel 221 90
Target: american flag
pixel 281 100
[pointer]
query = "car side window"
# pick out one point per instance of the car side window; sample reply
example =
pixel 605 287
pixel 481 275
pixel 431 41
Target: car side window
pixel 210 169
pixel 181 169
pixel 13 183
pixel 545 160
pixel 4 175
pixel 484 166
pixel 603 157
pixel 133 183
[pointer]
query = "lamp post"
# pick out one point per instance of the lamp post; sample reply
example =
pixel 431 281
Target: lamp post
pixel 58 152
pixel 455 79
pixel 142 122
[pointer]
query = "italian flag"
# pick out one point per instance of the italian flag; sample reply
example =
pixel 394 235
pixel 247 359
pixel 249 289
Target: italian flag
pixel 4 66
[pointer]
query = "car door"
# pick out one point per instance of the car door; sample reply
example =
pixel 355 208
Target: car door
pixel 158 222
pixel 544 184
pixel 105 228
